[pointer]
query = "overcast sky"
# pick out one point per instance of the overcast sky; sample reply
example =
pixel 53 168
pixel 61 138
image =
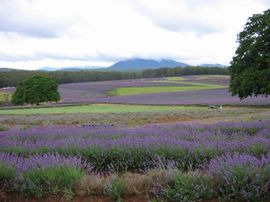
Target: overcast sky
pixel 62 33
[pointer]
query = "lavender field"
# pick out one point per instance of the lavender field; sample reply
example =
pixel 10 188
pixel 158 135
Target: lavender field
pixel 97 92
pixel 139 152
pixel 234 154
pixel 134 101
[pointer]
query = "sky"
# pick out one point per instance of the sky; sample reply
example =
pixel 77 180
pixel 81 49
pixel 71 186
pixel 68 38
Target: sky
pixel 68 33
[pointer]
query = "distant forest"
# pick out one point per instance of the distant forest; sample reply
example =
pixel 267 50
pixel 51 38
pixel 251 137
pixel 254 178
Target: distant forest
pixel 15 77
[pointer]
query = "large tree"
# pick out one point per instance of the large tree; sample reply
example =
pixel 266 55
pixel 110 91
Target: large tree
pixel 250 67
pixel 35 90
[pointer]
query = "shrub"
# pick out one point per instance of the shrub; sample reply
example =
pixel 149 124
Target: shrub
pixel 6 175
pixel 50 180
pixel 115 189
pixel 160 180
pixel 242 177
pixel 117 159
pixel 136 184
pixel 3 128
pixel 91 185
pixel 191 186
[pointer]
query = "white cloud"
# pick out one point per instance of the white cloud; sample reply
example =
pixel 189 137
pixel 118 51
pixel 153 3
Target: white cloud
pixel 176 15
pixel 36 33
pixel 35 18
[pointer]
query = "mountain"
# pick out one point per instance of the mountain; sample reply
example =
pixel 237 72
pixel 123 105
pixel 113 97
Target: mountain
pixel 141 64
pixel 47 69
pixel 212 65
pixel 136 64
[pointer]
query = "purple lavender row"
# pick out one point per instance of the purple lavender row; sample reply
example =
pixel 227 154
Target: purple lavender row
pixel 221 136
pixel 22 164
pixel 223 164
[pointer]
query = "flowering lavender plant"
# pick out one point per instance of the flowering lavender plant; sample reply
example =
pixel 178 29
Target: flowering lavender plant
pixel 242 176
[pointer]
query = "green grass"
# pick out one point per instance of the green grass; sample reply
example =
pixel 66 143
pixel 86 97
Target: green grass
pixel 175 78
pixel 162 89
pixel 100 108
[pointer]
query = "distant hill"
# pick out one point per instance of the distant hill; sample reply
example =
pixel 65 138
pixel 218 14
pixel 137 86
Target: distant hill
pixel 141 64
pixel 137 64
pixel 47 69
pixel 212 65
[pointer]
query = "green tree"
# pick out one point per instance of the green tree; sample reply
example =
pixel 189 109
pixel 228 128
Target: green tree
pixel 250 67
pixel 35 90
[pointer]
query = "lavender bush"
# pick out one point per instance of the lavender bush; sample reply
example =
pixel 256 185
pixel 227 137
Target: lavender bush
pixel 188 187
pixel 41 174
pixel 242 177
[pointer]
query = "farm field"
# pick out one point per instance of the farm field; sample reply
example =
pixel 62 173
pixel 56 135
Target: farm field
pixel 134 119
pixel 100 108
pixel 208 89
pixel 140 151
pixel 135 101
pixel 95 160
pixel 185 90
pixel 161 89
pixel 88 155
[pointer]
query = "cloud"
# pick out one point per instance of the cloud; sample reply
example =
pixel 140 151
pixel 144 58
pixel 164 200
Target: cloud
pixel 199 17
pixel 177 16
pixel 38 56
pixel 38 33
pixel 32 18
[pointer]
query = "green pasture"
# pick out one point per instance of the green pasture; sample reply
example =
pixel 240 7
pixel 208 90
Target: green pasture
pixel 100 108
pixel 197 80
pixel 175 78
pixel 212 77
pixel 188 86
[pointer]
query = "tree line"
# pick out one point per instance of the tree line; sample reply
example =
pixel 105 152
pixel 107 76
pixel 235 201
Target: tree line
pixel 15 77
pixel 180 71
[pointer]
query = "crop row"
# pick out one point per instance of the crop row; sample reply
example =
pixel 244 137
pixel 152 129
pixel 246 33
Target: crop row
pixel 238 177
pixel 135 149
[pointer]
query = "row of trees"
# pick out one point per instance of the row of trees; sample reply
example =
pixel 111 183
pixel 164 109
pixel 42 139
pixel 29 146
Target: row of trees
pixel 14 78
pixel 180 71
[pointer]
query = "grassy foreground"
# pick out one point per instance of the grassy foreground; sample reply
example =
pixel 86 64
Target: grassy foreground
pixel 100 108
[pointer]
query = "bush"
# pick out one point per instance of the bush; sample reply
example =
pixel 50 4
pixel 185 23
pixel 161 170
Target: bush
pixel 91 185
pixel 191 186
pixel 136 184
pixel 6 175
pixel 50 180
pixel 115 189
pixel 117 159
pixel 242 177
